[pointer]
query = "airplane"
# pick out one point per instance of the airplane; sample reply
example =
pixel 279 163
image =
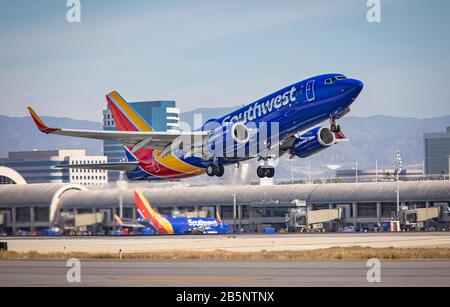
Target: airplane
pixel 284 122
pixel 149 218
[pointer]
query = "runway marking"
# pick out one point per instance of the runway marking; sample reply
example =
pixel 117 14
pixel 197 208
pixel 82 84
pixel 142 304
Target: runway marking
pixel 162 278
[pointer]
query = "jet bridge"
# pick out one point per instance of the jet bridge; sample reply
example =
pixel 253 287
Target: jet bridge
pixel 301 219
pixel 415 218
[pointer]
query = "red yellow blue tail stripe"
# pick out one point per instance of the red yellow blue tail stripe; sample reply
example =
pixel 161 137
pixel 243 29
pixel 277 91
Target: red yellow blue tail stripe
pixel 161 224
pixel 125 117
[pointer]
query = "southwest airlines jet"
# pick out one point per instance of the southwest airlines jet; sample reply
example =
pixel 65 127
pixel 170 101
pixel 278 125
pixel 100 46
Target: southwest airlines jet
pixel 161 224
pixel 284 122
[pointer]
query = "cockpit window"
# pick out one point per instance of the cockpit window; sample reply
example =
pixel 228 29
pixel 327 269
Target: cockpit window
pixel 334 79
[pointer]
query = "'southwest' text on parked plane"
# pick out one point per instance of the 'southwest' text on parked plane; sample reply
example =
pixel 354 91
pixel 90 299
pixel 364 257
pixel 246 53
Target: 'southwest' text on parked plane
pixel 284 122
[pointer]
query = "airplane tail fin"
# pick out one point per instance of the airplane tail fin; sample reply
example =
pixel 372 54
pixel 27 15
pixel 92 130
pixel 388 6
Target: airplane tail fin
pixel 143 207
pixel 146 212
pixel 125 117
pixel 218 219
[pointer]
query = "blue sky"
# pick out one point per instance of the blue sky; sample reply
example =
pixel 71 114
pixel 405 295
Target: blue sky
pixel 220 53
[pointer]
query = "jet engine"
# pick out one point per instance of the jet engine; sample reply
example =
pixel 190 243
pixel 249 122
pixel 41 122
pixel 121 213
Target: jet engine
pixel 313 141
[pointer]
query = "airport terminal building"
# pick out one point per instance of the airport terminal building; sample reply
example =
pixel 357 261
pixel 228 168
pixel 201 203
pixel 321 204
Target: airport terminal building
pixel 249 208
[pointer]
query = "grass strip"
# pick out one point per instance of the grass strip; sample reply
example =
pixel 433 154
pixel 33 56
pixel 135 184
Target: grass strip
pixel 333 253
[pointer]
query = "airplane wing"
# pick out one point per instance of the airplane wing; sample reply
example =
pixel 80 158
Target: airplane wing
pixel 135 139
pixel 127 224
pixel 198 230
pixel 120 166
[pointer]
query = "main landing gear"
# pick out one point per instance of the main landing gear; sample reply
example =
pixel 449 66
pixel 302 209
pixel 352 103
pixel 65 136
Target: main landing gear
pixel 265 171
pixel 215 170
pixel 335 128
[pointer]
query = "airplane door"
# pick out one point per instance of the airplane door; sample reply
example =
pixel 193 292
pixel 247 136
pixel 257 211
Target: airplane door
pixel 310 95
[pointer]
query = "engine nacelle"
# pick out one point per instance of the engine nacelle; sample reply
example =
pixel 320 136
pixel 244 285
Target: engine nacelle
pixel 230 140
pixel 240 133
pixel 313 141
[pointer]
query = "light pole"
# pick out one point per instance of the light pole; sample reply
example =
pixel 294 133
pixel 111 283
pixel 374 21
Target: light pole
pixel 356 171
pixel 376 170
pixel 423 170
pixel 292 170
pixel 122 185
pixel 309 172
pixel 398 170
pixel 234 210
pixel 292 173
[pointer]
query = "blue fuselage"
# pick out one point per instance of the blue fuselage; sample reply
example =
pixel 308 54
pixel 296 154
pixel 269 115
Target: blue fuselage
pixel 184 225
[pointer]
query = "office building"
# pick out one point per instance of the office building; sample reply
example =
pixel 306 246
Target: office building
pixel 436 152
pixel 39 167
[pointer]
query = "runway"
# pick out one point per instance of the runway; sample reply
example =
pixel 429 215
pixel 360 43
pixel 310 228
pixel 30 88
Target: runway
pixel 224 273
pixel 238 243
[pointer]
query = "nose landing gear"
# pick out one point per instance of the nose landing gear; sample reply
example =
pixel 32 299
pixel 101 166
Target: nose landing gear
pixel 266 170
pixel 335 128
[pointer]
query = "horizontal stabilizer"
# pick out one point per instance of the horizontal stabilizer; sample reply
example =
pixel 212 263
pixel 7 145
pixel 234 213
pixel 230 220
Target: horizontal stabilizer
pixel 120 166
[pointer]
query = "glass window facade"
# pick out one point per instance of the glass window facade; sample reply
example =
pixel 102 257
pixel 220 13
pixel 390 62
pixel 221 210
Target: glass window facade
pixel 437 151
pixel 367 209
pixel 23 215
pixel 6 180
pixel 41 214
pixel 388 209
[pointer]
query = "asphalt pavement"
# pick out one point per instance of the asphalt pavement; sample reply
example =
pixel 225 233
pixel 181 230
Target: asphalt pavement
pixel 223 273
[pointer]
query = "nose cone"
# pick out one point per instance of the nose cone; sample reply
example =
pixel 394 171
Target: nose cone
pixel 353 87
pixel 359 85
pixel 353 84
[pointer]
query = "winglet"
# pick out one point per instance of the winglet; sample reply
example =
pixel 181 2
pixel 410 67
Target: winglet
pixel 118 220
pixel 39 123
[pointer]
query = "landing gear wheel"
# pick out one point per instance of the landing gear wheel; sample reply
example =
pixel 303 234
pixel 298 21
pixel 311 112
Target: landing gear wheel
pixel 220 170
pixel 214 170
pixel 211 170
pixel 270 172
pixel 261 172
pixel 335 128
pixel 264 172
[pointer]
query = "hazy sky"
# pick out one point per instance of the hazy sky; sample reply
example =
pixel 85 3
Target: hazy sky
pixel 220 53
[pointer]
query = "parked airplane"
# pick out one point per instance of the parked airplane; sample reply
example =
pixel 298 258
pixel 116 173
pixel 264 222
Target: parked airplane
pixel 151 219
pixel 284 122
